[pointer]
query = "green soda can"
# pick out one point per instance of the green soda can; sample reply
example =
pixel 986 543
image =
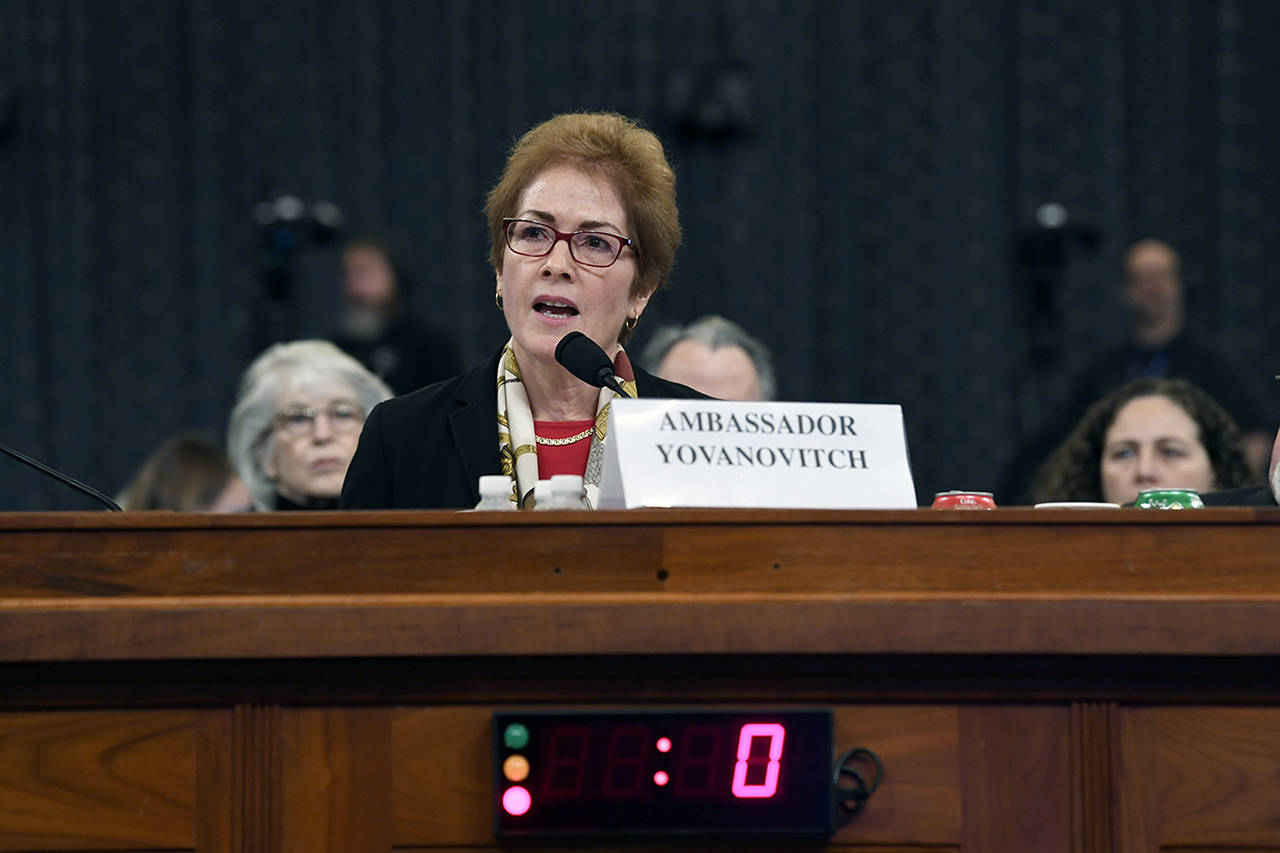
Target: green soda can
pixel 1169 499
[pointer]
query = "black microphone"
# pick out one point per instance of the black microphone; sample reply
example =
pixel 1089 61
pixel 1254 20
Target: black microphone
pixel 63 478
pixel 583 357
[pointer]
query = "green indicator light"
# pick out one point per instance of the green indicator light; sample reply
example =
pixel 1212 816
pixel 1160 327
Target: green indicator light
pixel 515 736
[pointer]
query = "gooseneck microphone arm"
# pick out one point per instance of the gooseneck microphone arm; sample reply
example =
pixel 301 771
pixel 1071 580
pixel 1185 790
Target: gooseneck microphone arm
pixel 610 380
pixel 62 478
pixel 583 357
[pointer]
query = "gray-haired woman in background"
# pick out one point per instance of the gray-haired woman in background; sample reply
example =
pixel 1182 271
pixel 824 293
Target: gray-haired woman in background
pixel 296 423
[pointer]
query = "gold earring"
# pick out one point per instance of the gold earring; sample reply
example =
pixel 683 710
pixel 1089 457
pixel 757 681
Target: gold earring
pixel 629 325
pixel 497 299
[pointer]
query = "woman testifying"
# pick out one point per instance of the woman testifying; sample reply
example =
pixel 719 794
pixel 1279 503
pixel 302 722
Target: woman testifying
pixel 584 229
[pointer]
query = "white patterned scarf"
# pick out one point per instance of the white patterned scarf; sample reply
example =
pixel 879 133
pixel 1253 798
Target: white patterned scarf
pixel 517 446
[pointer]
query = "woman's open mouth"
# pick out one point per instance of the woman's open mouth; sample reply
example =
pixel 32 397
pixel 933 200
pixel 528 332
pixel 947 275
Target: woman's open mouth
pixel 555 309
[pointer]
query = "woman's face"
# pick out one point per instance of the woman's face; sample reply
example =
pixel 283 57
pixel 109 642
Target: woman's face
pixel 316 430
pixel 546 298
pixel 1153 444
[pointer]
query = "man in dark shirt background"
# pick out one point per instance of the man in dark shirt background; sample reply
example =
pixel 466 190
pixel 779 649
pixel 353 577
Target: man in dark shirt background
pixel 1159 344
pixel 379 329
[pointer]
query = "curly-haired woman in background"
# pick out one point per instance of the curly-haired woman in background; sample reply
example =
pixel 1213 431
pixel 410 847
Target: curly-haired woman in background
pixel 1149 434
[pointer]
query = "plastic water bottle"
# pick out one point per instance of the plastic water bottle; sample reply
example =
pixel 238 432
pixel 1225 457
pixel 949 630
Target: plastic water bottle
pixel 542 495
pixel 567 492
pixel 495 492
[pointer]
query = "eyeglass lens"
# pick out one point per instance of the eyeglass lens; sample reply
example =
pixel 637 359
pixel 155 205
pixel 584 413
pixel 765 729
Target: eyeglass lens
pixel 593 248
pixel 343 417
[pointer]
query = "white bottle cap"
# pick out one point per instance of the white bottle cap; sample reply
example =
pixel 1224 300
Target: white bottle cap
pixel 495 486
pixel 566 484
pixel 542 495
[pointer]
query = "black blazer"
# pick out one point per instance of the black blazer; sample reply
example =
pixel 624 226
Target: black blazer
pixel 428 449
pixel 1247 496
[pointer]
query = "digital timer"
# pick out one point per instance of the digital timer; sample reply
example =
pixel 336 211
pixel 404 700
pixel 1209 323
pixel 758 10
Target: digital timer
pixel 599 773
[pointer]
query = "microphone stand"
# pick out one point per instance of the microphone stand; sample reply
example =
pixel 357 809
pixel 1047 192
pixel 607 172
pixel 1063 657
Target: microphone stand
pixel 62 478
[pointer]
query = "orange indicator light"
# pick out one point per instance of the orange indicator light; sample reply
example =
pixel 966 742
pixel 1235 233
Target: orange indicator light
pixel 515 768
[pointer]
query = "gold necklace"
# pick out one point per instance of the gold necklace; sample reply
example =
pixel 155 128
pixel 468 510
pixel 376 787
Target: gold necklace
pixel 560 442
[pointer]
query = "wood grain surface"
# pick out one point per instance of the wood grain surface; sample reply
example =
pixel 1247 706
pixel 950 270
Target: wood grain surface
pixel 105 780
pixel 391 584
pixel 1043 681
pixel 1091 787
pixel 727 846
pixel 1015 772
pixel 215 783
pixel 1199 778
pixel 879 553
pixel 336 780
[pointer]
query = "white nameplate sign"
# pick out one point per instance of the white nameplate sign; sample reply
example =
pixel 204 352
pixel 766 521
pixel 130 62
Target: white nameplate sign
pixel 717 453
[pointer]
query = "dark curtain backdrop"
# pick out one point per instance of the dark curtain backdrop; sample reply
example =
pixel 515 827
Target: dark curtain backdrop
pixel 863 222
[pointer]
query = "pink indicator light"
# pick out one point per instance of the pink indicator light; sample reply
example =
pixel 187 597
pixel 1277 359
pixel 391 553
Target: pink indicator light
pixel 664 745
pixel 516 800
pixel 661 778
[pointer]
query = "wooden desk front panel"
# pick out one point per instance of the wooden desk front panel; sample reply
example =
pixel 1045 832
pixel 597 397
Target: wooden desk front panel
pixel 115 780
pixel 370 779
pixel 1198 779
pixel 1074 683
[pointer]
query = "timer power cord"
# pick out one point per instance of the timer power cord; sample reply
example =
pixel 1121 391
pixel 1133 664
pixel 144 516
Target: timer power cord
pixel 851 799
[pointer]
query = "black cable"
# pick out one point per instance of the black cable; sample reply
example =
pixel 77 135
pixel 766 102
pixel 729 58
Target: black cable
pixel 851 800
pixel 62 478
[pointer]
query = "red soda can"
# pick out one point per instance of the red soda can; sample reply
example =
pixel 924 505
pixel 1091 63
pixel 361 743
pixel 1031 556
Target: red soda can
pixel 964 500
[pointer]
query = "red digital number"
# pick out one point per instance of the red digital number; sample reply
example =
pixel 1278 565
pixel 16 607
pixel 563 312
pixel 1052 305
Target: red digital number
pixel 624 774
pixel 566 771
pixel 697 755
pixel 752 758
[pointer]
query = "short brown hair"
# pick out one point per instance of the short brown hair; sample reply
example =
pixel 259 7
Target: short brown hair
pixel 628 155
pixel 185 474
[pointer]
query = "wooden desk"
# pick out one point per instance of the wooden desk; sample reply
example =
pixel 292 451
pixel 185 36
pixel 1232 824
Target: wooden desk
pixel 1033 680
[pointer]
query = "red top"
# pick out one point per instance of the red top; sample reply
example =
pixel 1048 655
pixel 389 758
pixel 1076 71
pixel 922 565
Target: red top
pixel 562 458
pixel 572 458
